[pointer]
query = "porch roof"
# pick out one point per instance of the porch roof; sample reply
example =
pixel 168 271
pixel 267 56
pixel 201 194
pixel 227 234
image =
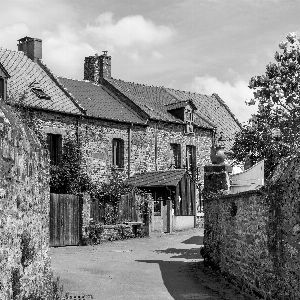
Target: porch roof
pixel 157 178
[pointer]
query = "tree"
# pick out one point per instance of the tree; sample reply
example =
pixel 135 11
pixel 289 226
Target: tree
pixel 273 132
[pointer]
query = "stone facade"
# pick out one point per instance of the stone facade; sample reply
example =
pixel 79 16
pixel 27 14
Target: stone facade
pixel 150 147
pixel 24 211
pixel 253 237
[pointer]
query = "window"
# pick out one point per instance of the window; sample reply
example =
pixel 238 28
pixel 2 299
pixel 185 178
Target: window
pixel 118 153
pixel 191 159
pixel 40 93
pixel 55 148
pixel 189 115
pixel 176 149
pixel 2 88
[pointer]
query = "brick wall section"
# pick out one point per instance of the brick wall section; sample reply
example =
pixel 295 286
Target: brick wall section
pixel 254 237
pixel 24 210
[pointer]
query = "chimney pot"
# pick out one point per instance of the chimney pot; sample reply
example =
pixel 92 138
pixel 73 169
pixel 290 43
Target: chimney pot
pixel 32 47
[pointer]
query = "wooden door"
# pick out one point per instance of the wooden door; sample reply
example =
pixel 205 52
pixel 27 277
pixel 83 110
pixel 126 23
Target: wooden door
pixel 65 219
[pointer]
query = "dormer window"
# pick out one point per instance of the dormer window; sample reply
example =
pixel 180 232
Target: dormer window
pixel 188 115
pixel 40 93
pixel 2 88
pixel 3 83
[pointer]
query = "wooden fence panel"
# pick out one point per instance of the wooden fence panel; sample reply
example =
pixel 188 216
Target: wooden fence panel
pixel 65 219
pixel 127 208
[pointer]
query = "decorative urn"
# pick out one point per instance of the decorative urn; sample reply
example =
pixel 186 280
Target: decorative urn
pixel 217 155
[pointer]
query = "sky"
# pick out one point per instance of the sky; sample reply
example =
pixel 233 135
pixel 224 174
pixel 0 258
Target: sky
pixel 205 46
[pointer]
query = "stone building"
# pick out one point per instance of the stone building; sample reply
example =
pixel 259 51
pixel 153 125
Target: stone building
pixel 128 127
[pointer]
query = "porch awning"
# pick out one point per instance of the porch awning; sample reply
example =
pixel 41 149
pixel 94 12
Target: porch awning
pixel 157 178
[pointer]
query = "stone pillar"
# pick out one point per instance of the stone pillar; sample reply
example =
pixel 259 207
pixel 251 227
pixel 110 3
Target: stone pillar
pixel 216 178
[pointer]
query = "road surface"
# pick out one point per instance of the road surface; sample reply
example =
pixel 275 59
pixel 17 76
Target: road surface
pixel 162 267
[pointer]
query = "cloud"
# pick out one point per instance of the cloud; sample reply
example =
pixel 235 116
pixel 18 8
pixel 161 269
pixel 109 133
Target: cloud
pixel 65 50
pixel 68 37
pixel 234 94
pixel 12 32
pixel 129 31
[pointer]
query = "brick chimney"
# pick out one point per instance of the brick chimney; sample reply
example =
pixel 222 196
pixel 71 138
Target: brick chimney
pixel 97 67
pixel 31 47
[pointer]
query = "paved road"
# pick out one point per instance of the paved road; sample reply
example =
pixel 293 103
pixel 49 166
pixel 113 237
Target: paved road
pixel 161 267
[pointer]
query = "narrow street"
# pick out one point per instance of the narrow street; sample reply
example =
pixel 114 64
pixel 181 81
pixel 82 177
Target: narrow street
pixel 161 267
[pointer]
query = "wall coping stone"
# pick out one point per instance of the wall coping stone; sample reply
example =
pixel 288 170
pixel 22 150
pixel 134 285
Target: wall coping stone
pixel 241 194
pixel 217 168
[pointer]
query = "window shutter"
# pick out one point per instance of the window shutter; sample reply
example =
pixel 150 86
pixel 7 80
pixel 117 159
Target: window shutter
pixel 2 88
pixel 49 144
pixel 59 149
pixel 121 154
pixel 114 153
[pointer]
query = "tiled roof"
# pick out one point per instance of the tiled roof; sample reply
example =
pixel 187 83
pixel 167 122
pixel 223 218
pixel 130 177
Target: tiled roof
pixel 98 102
pixel 215 110
pixel 26 74
pixel 153 100
pixel 212 112
pixel 157 178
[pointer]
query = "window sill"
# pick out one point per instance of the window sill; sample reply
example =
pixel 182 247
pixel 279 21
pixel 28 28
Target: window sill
pixel 120 169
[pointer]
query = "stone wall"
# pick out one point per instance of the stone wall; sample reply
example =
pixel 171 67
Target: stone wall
pixel 254 237
pixel 98 233
pixel 24 211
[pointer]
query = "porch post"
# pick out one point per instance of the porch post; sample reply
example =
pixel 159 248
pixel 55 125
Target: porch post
pixel 169 216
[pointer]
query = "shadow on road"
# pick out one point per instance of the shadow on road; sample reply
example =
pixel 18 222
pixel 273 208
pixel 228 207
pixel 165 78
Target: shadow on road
pixel 196 240
pixel 181 282
pixel 193 253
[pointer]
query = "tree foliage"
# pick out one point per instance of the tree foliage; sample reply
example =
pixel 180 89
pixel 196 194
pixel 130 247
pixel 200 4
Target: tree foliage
pixel 273 132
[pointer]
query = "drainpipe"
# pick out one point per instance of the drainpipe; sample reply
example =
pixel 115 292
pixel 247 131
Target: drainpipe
pixel 77 130
pixel 129 148
pixel 214 137
pixel 155 145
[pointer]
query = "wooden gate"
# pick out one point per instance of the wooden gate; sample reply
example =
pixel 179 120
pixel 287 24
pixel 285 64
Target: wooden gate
pixel 65 219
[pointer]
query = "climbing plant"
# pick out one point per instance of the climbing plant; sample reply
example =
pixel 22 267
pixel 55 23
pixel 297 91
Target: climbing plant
pixel 68 177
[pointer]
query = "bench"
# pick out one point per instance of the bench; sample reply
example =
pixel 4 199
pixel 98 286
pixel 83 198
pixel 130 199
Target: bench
pixel 135 226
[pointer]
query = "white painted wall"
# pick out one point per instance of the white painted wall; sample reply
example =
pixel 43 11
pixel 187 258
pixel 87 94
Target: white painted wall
pixel 251 179
pixel 183 222
pixel 157 223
